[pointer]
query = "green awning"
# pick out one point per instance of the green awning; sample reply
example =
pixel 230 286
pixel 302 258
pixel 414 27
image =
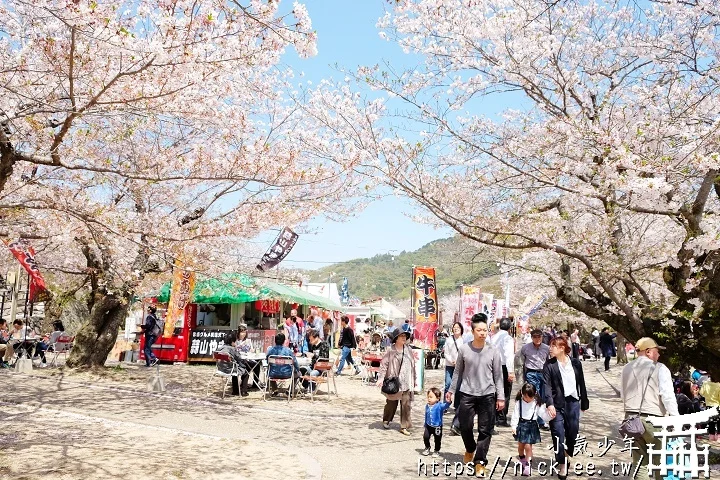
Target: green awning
pixel 241 288
pixel 231 288
pixel 295 295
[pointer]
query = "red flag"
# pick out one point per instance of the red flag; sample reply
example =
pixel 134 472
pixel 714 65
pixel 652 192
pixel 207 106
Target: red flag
pixel 25 254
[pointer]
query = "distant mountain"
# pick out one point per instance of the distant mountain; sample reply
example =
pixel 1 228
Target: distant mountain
pixel 456 262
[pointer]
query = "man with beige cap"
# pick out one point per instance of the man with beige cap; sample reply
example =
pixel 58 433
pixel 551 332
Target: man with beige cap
pixel 647 390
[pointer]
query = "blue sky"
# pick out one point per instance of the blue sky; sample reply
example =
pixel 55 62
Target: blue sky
pixel 347 36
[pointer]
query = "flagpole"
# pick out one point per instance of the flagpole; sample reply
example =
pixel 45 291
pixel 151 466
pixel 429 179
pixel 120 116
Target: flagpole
pixel 27 297
pixel 412 294
pixel 13 302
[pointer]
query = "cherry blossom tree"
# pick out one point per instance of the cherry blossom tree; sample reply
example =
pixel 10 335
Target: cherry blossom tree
pixel 603 177
pixel 136 133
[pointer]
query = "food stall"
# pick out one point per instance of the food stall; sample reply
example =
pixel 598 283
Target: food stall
pixel 220 305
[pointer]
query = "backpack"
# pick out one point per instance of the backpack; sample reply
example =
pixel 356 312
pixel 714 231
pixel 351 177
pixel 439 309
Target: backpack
pixel 158 328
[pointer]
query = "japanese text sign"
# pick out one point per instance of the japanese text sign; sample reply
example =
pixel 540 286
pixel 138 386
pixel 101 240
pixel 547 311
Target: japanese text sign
pixel 279 250
pixel 425 306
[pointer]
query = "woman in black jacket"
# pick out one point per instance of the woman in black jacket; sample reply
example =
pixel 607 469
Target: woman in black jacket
pixel 565 395
pixel 607 346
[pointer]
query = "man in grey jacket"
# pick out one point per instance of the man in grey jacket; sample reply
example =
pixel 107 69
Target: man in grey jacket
pixel 479 366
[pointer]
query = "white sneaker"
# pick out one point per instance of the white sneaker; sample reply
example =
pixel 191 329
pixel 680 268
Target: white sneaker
pixel 43 365
pixel 435 454
pixel 425 452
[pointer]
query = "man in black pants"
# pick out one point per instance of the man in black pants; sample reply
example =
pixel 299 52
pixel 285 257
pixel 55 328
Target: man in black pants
pixel 479 366
pixel 152 330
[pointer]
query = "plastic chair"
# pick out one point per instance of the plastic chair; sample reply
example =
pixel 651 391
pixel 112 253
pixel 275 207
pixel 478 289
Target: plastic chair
pixel 62 345
pixel 222 357
pixel 278 360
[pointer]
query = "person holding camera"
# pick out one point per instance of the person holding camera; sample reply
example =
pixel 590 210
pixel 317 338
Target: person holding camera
pixel 397 381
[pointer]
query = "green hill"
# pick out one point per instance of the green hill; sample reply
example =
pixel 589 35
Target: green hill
pixel 455 260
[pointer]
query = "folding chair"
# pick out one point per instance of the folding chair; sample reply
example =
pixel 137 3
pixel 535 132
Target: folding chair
pixel 62 345
pixel 222 357
pixel 327 372
pixel 25 349
pixel 277 360
pixel 369 371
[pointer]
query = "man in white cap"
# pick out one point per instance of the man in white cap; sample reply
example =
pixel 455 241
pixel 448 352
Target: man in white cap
pixel 647 390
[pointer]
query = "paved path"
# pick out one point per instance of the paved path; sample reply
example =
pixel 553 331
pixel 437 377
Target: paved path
pixel 55 427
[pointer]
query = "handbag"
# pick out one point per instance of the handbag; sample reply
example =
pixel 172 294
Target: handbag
pixel 391 385
pixel 633 426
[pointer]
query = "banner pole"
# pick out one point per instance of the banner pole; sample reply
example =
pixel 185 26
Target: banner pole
pixel 27 296
pixel 412 294
pixel 13 302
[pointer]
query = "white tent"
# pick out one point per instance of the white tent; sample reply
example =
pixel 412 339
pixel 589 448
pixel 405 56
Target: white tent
pixel 327 290
pixel 386 309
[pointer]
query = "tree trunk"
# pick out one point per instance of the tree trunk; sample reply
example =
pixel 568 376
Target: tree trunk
pixel 95 340
pixel 53 311
pixel 621 352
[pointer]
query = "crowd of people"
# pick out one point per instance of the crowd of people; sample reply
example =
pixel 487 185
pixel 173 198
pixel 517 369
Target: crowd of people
pixel 480 369
pixel 25 341
pixel 552 393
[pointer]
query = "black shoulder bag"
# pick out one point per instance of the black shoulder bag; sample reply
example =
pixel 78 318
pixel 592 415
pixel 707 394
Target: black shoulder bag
pixel 633 426
pixel 391 385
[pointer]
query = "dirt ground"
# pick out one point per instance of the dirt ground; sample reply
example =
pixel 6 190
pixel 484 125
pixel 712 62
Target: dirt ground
pixel 105 424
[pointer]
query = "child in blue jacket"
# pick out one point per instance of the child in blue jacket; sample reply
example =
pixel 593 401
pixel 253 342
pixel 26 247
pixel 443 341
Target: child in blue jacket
pixel 434 411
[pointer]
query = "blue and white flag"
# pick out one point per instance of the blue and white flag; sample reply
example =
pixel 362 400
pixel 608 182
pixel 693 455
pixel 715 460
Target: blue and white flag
pixel 537 306
pixel 344 292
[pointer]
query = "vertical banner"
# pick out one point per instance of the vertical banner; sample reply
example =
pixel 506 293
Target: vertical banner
pixel 470 305
pixel 495 312
pixel 182 286
pixel 486 300
pixel 279 250
pixel 25 254
pixel 344 292
pixel 531 304
pixel 425 307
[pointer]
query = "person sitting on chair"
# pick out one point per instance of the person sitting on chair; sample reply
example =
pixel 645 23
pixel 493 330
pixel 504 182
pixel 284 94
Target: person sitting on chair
pixel 6 347
pixel 319 350
pixel 47 344
pixel 376 344
pixel 245 345
pixel 227 367
pixel 281 371
pixel 18 337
